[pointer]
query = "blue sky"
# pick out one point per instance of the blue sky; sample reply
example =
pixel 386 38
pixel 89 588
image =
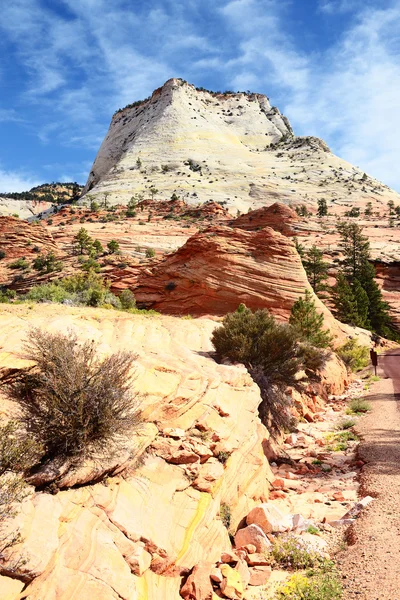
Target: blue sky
pixel 332 66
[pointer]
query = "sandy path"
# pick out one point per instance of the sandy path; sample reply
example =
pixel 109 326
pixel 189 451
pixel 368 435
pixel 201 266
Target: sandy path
pixel 371 564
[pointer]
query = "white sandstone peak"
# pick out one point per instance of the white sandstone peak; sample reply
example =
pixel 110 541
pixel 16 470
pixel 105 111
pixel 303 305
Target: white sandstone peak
pixel 233 148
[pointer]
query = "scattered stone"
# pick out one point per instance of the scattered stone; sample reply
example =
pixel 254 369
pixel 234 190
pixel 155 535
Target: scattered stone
pixel 198 585
pixel 253 535
pixel 259 575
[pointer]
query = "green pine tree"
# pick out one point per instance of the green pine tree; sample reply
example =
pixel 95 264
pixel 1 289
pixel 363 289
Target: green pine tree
pixel 308 323
pixel 316 269
pixel 355 247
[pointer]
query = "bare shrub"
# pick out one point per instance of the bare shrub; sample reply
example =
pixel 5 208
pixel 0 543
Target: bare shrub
pixel 17 454
pixel 72 402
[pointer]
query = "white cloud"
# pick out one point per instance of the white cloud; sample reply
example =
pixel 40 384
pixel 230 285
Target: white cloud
pixel 16 181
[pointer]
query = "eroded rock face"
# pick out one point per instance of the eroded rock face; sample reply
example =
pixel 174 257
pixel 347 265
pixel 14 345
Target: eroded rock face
pixel 220 268
pixel 231 148
pixel 136 536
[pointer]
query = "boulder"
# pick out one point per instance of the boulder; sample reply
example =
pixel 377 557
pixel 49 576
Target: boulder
pixel 259 575
pixel 269 518
pixel 253 534
pixel 198 585
pixel 243 570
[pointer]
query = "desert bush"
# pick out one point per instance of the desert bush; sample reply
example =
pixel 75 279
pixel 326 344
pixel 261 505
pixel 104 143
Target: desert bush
pixel 17 454
pixel 127 299
pixel 2 254
pixel 274 356
pixel 150 253
pixel 318 586
pixel 71 401
pixel 354 356
pixel 20 263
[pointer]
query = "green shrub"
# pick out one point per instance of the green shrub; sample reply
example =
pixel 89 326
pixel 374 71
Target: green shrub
pixel 357 406
pixel 127 299
pixel 48 292
pixel 20 263
pixel 71 401
pixel 47 263
pixel 273 355
pixel 91 265
pixel 150 253
pixel 2 254
pixel 354 356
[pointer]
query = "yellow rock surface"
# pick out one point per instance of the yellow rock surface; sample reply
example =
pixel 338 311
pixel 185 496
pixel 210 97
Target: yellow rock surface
pixel 78 543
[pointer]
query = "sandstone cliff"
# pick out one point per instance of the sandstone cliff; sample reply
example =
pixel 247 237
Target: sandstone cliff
pixel 232 148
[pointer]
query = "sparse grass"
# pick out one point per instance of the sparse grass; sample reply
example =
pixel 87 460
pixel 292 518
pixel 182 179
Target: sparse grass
pixel 358 406
pixel 345 424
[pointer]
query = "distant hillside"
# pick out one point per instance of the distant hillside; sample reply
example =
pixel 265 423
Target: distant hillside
pixel 39 199
pixel 49 192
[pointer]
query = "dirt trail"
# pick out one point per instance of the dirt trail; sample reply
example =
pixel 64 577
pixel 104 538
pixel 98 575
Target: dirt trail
pixel 371 564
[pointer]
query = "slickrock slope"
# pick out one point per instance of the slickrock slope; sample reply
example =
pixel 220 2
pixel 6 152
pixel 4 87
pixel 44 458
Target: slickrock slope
pixel 231 148
pixel 278 216
pixel 132 537
pixel 221 267
pixel 19 238
pixel 22 208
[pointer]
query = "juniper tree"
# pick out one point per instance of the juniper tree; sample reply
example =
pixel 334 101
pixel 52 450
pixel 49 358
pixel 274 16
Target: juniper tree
pixel 322 208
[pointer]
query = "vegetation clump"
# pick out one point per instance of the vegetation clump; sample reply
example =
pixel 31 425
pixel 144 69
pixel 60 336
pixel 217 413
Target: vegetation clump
pixel 73 402
pixel 274 354
pixel 358 406
pixel 354 356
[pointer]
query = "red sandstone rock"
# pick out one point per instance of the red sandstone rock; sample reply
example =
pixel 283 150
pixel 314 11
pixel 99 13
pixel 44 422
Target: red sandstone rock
pixel 198 585
pixel 221 267
pixel 278 216
pixel 253 535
